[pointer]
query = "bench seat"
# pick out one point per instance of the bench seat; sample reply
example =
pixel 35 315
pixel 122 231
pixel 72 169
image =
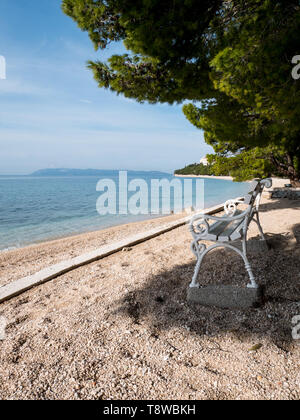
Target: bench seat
pixel 225 231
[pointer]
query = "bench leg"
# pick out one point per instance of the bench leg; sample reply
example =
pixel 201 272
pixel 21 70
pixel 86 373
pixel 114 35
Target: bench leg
pixel 195 276
pixel 261 232
pixel 252 284
pixel 201 251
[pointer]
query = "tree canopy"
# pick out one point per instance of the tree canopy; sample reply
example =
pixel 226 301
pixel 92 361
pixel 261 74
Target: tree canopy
pixel 231 59
pixel 197 169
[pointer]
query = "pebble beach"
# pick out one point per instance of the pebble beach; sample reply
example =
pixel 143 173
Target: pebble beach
pixel 121 328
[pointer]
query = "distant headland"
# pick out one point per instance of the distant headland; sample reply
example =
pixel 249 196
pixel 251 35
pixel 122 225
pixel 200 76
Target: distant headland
pixel 93 172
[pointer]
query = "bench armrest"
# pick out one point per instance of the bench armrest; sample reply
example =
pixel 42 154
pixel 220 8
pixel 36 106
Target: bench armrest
pixel 230 207
pixel 220 218
pixel 202 227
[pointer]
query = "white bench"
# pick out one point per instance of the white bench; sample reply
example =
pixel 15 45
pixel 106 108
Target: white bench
pixel 226 230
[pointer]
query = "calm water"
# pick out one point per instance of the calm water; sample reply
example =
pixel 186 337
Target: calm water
pixel 39 209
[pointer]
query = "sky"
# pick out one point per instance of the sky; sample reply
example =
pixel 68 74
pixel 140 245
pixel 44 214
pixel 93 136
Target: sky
pixel 53 115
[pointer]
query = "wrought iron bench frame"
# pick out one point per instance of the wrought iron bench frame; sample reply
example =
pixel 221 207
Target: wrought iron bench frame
pixel 239 221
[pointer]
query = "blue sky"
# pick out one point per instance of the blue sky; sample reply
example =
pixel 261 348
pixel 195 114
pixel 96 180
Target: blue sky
pixel 53 115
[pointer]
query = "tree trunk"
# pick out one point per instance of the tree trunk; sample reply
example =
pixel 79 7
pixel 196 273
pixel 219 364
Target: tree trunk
pixel 296 182
pixel 288 168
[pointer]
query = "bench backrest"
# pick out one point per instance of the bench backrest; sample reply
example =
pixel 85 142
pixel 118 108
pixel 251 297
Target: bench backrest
pixel 254 196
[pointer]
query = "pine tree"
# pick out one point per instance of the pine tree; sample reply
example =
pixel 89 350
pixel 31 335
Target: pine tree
pixel 231 58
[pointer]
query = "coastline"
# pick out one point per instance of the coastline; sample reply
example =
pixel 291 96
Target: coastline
pixel 277 182
pixel 48 253
pixel 61 237
pixel 38 256
pixel 152 220
pixel 54 217
pixel 224 178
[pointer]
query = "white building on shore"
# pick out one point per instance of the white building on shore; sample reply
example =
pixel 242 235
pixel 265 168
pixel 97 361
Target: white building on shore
pixel 204 161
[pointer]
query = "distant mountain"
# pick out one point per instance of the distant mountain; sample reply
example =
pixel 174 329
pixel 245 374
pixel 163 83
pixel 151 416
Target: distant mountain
pixel 93 172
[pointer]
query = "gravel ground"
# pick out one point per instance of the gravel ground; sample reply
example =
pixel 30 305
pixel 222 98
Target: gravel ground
pixel 121 328
pixel 26 261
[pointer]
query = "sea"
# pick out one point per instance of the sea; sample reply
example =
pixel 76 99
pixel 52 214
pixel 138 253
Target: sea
pixel 35 209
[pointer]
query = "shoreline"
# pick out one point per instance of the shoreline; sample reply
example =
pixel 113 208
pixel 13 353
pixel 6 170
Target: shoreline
pixel 38 256
pixel 47 254
pixel 277 183
pixel 224 178
pixel 18 287
pixel 55 238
